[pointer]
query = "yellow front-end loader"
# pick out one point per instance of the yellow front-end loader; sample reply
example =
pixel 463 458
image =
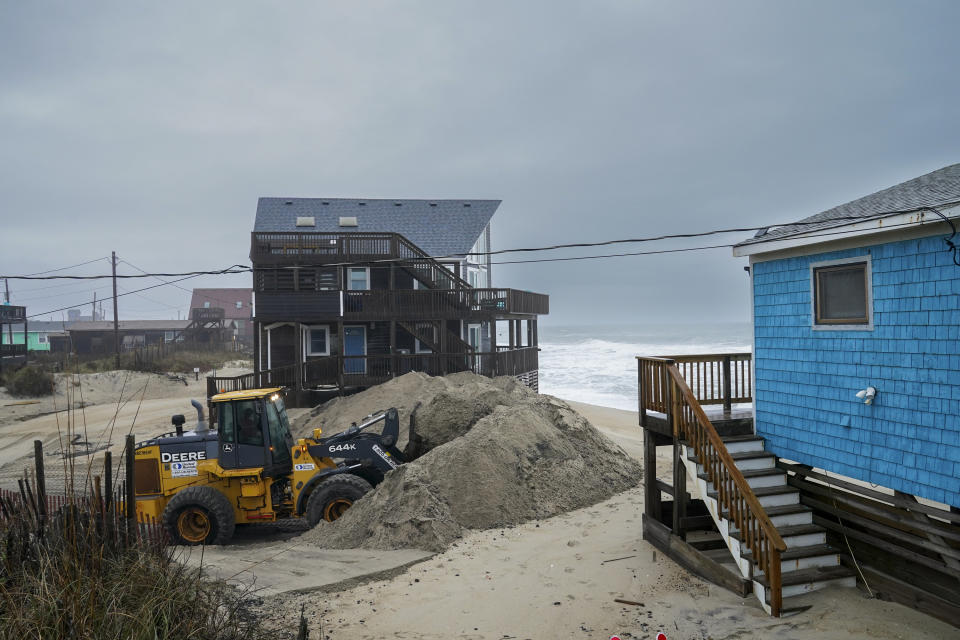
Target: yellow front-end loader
pixel 204 482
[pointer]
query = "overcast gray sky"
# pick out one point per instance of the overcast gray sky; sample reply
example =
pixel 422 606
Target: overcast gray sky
pixel 151 129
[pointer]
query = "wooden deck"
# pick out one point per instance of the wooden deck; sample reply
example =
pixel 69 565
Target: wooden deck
pixel 736 421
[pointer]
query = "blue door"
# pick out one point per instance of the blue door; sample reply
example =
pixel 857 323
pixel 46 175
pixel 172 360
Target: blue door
pixel 354 344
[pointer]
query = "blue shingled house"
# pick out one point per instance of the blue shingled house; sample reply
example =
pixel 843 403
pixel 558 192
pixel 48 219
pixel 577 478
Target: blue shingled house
pixel 864 299
pixel 349 293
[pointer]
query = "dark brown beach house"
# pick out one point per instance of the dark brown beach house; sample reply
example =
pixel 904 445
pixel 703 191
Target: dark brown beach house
pixel 349 293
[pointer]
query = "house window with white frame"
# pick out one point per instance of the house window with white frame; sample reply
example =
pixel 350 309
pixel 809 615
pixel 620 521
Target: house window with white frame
pixel 841 294
pixel 317 340
pixel 358 279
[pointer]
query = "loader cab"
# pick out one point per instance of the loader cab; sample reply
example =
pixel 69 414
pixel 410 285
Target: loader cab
pixel 253 431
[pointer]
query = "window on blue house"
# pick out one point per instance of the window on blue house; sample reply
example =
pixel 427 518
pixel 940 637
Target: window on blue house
pixel 841 294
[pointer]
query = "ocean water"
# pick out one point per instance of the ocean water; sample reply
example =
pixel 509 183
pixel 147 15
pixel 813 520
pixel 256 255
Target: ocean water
pixel 597 364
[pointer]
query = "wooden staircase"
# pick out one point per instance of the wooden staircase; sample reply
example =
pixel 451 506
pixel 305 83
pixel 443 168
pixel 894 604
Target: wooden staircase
pixel 807 563
pixel 770 539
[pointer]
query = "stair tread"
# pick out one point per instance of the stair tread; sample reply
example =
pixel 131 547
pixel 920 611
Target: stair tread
pixel 754 473
pixel 741 455
pixel 787 509
pixel 793 530
pixel 740 438
pixel 782 510
pixel 795 553
pixel 763 491
pixel 802 576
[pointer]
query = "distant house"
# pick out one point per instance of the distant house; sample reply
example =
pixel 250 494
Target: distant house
pixel 864 295
pixel 351 292
pixel 237 305
pixel 39 334
pixel 97 337
pixel 12 353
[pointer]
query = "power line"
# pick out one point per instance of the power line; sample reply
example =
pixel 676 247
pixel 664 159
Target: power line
pixel 119 295
pixel 238 268
pixel 73 266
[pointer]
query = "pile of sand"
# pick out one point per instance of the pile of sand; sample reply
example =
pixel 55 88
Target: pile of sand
pixel 490 453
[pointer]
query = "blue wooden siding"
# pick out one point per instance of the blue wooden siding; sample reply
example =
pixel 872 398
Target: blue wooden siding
pixel 909 439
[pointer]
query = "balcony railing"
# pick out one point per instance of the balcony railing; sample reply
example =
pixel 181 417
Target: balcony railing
pixel 12 314
pixel 723 378
pixel 12 350
pixel 321 248
pixel 361 371
pixel 398 304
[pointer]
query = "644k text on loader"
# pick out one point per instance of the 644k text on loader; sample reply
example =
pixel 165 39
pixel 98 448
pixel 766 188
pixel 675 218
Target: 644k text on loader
pixel 204 482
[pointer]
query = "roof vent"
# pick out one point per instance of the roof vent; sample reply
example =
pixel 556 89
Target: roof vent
pixel 398 204
pixel 348 221
pixel 324 202
pixel 288 202
pixel 362 204
pixel 306 221
pixel 466 204
pixel 433 204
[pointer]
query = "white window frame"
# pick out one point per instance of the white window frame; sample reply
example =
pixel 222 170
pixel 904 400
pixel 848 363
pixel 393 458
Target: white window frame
pixel 366 270
pixel 307 351
pixel 855 260
pixel 479 328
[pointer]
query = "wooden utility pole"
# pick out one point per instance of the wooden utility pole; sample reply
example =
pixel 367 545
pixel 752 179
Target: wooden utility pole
pixel 6 284
pixel 116 322
pixel 93 310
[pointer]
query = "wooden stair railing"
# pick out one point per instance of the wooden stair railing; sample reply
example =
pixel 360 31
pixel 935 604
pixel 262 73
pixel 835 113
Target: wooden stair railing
pixel 437 275
pixel 668 392
pixel 455 344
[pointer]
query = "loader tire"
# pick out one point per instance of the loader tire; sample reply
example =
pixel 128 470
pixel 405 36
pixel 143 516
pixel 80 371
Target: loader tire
pixel 335 495
pixel 199 515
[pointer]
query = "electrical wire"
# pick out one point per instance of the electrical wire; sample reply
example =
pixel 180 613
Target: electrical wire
pixel 119 295
pixel 953 248
pixel 238 268
pixel 73 266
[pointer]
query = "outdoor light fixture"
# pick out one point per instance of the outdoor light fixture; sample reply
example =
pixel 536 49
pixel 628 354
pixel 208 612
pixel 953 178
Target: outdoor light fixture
pixel 867 395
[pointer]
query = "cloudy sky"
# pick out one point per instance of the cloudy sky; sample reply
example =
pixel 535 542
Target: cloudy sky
pixel 152 129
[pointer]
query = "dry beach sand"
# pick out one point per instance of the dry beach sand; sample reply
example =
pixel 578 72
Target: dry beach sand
pixel 548 577
pixel 559 577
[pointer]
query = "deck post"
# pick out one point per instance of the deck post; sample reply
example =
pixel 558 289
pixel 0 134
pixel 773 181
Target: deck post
pixel 300 357
pixel 443 351
pixel 393 340
pixel 679 491
pixel 727 393
pixel 651 491
pixel 641 395
pixel 341 362
pixel 256 347
pixel 41 481
pixel 679 471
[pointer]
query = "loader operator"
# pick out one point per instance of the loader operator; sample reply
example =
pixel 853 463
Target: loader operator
pixel 249 429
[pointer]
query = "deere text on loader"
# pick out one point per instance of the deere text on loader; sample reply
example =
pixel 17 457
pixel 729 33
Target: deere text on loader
pixel 204 482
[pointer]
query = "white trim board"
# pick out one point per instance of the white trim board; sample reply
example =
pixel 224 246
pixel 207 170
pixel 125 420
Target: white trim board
pixel 904 226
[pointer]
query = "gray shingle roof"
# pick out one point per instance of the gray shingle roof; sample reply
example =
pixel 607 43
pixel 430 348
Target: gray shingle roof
pixel 935 189
pixel 439 227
